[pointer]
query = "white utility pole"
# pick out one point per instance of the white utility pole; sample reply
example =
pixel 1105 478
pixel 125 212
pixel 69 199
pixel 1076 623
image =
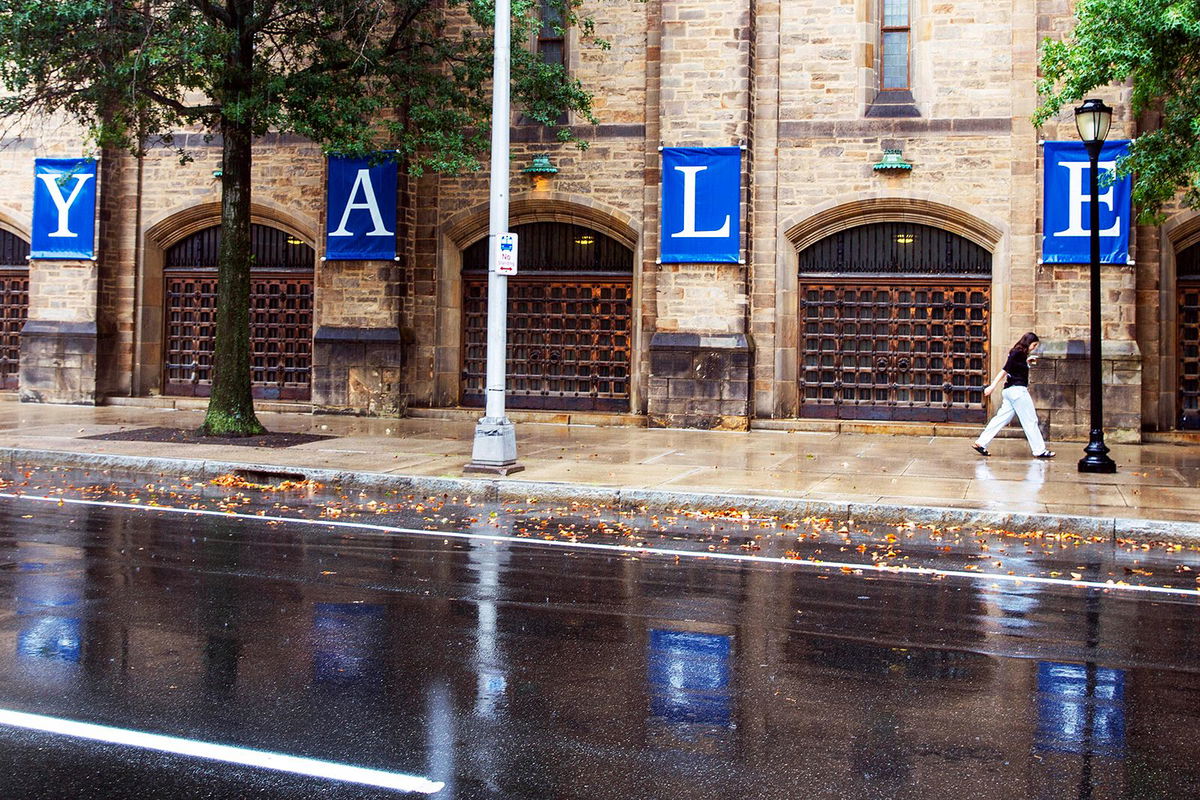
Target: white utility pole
pixel 495 447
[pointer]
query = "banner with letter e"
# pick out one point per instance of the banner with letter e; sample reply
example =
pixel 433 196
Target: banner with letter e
pixel 701 205
pixel 360 205
pixel 64 208
pixel 1066 235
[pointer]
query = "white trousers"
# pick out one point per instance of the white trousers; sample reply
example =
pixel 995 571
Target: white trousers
pixel 1016 402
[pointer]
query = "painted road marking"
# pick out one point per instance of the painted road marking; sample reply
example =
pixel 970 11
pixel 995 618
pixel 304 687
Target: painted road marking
pixel 893 569
pixel 221 752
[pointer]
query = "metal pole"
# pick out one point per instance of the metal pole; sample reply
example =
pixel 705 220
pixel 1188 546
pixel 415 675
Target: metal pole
pixel 1096 458
pixel 495 445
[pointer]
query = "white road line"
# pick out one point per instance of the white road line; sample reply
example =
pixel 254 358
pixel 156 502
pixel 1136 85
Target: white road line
pixel 221 752
pixel 894 569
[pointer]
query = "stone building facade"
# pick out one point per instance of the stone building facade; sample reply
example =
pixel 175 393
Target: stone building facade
pixel 829 317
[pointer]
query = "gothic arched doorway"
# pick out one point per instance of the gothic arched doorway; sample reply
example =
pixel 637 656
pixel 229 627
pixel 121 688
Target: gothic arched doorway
pixel 570 320
pixel 894 322
pixel 281 313
pixel 14 305
pixel 1187 276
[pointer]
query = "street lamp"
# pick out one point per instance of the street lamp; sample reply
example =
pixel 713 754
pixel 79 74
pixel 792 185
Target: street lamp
pixel 1092 119
pixel 494 449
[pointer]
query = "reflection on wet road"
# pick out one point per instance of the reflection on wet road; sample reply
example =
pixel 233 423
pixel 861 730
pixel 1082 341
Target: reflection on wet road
pixel 508 669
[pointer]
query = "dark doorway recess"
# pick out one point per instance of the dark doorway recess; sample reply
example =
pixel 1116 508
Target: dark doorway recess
pixel 281 308
pixel 894 323
pixel 1188 346
pixel 570 320
pixel 14 305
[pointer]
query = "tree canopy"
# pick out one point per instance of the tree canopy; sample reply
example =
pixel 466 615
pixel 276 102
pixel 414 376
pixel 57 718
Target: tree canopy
pixel 1154 45
pixel 411 77
pixel 353 75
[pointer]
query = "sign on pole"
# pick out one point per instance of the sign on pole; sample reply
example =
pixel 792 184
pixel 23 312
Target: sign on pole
pixel 506 254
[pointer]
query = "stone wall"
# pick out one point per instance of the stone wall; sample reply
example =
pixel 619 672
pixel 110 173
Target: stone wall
pixel 794 83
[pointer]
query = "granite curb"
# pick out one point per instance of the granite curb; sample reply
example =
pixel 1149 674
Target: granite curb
pixel 624 499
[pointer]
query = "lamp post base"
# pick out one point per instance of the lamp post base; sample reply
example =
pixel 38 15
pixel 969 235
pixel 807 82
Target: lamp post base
pixel 495 448
pixel 1096 459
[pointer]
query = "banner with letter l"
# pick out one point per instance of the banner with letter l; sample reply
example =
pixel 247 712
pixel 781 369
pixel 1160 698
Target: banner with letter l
pixel 1066 235
pixel 64 208
pixel 701 205
pixel 360 206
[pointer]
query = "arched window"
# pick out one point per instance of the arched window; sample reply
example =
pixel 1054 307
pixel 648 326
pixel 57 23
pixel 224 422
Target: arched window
pixel 570 320
pixel 281 291
pixel 895 319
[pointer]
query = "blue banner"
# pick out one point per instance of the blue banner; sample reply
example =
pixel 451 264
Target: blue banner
pixel 1066 236
pixel 64 208
pixel 701 205
pixel 361 210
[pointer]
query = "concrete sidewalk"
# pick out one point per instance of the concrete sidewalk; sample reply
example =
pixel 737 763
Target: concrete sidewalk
pixel 1157 487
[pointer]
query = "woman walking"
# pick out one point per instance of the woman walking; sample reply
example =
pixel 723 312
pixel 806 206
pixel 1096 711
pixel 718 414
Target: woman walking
pixel 1016 399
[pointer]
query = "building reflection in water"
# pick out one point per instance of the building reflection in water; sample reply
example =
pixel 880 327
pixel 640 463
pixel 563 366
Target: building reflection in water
pixel 691 700
pixel 346 641
pixel 48 630
pixel 1080 709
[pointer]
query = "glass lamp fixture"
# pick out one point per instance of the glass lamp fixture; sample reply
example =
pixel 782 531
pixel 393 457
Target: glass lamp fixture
pixel 1092 120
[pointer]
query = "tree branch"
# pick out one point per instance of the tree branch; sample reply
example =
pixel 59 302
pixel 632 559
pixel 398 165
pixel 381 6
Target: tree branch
pixel 175 105
pixel 213 12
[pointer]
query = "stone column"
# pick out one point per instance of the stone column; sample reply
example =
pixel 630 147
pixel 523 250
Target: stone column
pixel 58 342
pixel 700 354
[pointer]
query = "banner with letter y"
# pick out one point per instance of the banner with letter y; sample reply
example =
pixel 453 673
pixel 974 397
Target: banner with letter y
pixel 64 208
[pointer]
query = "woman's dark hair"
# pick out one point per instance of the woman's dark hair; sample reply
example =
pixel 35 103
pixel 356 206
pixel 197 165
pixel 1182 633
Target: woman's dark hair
pixel 1023 344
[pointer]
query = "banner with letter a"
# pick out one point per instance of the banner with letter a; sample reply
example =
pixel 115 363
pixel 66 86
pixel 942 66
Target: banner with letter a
pixel 361 210
pixel 1066 235
pixel 64 208
pixel 701 205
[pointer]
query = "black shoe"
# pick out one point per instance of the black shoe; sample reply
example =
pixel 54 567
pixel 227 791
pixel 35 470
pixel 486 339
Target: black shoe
pixel 1045 454
pixel 983 451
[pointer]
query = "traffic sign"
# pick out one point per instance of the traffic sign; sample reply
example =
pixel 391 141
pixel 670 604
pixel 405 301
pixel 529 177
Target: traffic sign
pixel 506 254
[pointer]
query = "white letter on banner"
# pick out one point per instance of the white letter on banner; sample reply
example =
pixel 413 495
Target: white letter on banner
pixel 689 210
pixel 370 204
pixel 1077 197
pixel 63 206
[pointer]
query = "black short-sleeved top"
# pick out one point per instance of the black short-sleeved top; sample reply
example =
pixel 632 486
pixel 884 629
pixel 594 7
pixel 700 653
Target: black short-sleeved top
pixel 1017 368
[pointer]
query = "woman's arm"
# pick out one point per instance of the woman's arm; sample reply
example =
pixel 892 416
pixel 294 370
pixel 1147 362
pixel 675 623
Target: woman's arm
pixel 1001 375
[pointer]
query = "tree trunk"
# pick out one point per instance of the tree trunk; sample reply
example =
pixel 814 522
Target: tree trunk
pixel 231 406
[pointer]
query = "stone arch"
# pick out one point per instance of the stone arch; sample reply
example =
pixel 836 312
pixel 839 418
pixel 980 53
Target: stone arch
pixel 10 224
pixel 179 224
pixel 836 217
pixel 1180 232
pixel 471 224
pixel 164 231
pixel 801 229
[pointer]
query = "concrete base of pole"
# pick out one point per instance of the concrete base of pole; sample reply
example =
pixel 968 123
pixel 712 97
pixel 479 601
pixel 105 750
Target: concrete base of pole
pixel 495 448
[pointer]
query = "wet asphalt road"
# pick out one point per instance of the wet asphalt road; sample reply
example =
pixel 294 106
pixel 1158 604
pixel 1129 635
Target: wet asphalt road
pixel 515 670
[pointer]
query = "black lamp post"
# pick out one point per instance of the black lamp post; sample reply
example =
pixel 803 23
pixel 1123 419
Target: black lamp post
pixel 1093 119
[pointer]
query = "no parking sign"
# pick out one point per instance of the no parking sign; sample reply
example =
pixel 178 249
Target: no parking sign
pixel 506 254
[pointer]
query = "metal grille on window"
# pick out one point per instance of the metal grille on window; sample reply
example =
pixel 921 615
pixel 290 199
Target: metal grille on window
pixel 1188 277
pixel 281 294
pixel 895 320
pixel 570 320
pixel 14 305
